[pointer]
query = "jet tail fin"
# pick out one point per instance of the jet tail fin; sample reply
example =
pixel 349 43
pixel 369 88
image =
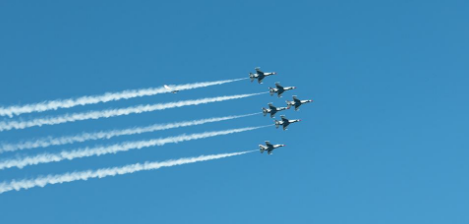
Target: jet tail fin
pixel 277 124
pixel 264 111
pixel 262 148
pixel 289 104
pixel 272 91
pixel 251 76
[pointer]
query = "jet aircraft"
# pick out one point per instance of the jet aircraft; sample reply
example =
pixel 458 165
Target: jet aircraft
pixel 273 110
pixel 284 122
pixel 260 75
pixel 170 89
pixel 297 103
pixel 280 89
pixel 269 147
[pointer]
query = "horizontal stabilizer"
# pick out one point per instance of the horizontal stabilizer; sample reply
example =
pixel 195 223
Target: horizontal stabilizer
pixel 262 148
pixel 252 77
pixel 272 91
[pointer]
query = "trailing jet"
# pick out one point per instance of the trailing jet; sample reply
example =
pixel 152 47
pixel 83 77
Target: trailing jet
pixel 269 147
pixel 297 103
pixel 284 122
pixel 260 75
pixel 280 89
pixel 273 110
pixel 170 89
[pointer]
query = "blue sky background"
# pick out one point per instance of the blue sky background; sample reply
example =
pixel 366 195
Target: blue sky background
pixel 384 142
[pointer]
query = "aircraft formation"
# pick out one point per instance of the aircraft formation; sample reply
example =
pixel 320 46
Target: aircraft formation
pixel 21 161
pixel 284 122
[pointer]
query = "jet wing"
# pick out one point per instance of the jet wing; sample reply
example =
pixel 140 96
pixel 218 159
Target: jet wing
pixel 278 85
pixel 284 119
pixel 271 106
pixel 260 78
pixel 297 101
pixel 259 72
pixel 268 144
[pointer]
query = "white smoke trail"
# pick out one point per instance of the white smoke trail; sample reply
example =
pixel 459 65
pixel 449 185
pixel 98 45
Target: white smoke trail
pixel 121 147
pixel 4 126
pixel 107 97
pixel 54 141
pixel 101 173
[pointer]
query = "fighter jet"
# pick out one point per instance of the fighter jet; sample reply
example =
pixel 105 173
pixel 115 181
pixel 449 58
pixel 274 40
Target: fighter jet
pixel 284 122
pixel 170 89
pixel 297 103
pixel 269 147
pixel 272 110
pixel 280 89
pixel 260 75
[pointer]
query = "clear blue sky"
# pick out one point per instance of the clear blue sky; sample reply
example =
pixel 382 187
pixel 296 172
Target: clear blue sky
pixel 384 142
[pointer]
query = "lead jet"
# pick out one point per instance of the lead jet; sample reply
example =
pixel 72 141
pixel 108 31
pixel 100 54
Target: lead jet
pixel 260 75
pixel 280 89
pixel 272 110
pixel 170 89
pixel 269 147
pixel 297 103
pixel 284 122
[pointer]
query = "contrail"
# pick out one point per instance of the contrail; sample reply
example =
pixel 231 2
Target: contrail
pixel 87 136
pixel 4 126
pixel 101 173
pixel 121 147
pixel 107 97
